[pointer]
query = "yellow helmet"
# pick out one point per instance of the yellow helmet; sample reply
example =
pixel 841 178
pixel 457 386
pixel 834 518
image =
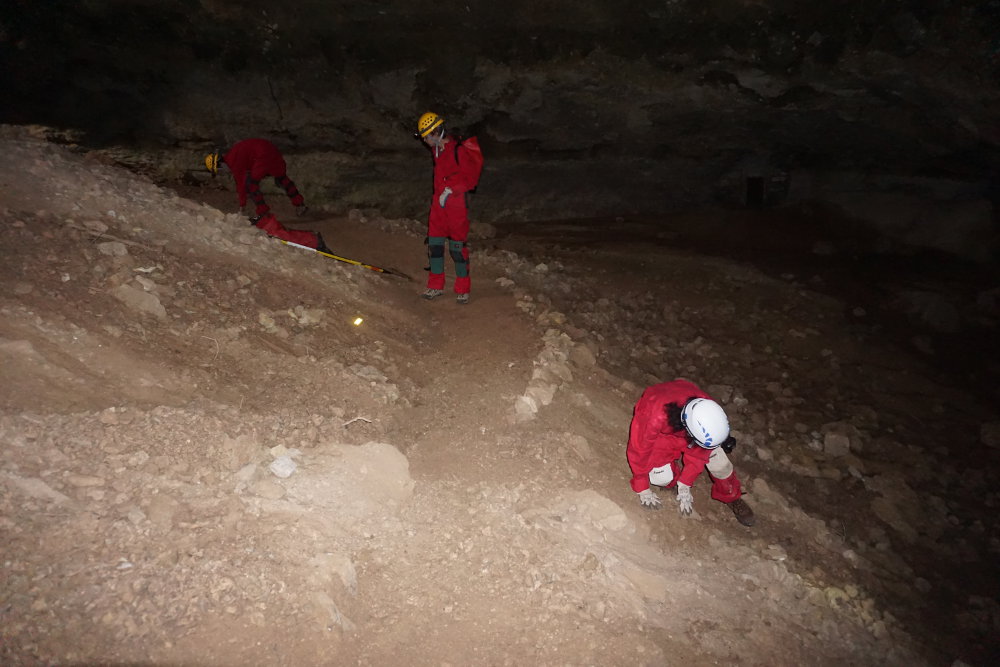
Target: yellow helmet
pixel 212 162
pixel 429 122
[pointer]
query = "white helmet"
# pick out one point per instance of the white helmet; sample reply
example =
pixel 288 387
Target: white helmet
pixel 706 422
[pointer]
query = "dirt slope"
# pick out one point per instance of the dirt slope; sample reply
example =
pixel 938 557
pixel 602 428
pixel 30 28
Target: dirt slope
pixel 204 461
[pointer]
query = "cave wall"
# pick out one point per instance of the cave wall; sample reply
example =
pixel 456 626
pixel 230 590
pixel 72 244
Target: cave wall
pixel 584 108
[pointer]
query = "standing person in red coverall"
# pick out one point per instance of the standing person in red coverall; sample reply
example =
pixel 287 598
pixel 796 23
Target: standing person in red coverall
pixel 457 166
pixel 676 422
pixel 250 161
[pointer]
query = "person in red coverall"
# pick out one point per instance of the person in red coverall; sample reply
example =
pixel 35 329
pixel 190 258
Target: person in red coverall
pixel 250 161
pixel 677 431
pixel 457 165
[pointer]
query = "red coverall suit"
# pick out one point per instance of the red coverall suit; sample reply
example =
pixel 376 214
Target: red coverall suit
pixel 454 168
pixel 250 161
pixel 652 442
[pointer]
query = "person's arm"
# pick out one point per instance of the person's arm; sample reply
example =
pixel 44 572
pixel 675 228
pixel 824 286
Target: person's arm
pixel 695 458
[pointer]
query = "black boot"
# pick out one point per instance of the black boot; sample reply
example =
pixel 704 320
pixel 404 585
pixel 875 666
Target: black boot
pixel 321 245
pixel 742 511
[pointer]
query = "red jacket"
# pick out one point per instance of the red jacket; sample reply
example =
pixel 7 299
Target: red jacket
pixel 456 168
pixel 254 157
pixel 653 443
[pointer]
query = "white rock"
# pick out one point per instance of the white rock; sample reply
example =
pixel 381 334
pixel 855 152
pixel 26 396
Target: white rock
pixel 525 407
pixel 282 467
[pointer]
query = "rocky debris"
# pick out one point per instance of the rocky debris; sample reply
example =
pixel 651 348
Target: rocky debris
pixel 552 371
pixel 144 454
pixel 140 300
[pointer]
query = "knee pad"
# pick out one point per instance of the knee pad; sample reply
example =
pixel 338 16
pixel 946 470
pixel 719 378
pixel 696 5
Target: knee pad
pixel 435 245
pixel 719 464
pixel 460 254
pixel 661 476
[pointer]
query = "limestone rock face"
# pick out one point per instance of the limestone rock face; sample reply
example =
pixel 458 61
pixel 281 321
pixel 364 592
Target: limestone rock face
pixel 631 107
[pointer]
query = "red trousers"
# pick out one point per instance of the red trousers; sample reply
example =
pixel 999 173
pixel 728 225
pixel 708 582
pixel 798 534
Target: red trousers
pixel 270 224
pixel 451 222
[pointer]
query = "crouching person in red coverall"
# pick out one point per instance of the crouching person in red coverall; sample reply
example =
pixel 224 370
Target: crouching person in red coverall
pixel 250 161
pixel 677 431
pixel 457 166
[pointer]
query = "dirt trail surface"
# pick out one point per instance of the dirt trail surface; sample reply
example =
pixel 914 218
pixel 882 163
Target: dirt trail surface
pixel 203 460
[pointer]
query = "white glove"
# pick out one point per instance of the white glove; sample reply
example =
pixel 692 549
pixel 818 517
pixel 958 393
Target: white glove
pixel 685 500
pixel 444 196
pixel 649 499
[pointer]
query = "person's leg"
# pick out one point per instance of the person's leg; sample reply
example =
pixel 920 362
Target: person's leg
pixel 726 486
pixel 256 196
pixel 435 279
pixel 437 233
pixel 725 483
pixel 270 224
pixel 457 217
pixel 459 251
pixel 290 190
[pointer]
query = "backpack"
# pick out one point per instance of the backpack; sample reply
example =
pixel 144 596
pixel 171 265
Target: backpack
pixel 475 154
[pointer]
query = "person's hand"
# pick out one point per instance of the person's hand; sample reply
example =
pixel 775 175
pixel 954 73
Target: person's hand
pixel 444 196
pixel 685 501
pixel 650 500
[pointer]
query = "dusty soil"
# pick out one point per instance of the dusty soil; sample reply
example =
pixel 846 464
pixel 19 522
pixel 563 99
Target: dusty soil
pixel 203 460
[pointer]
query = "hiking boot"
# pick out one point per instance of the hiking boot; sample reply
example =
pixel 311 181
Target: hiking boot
pixel 742 511
pixel 463 298
pixel 301 210
pixel 432 293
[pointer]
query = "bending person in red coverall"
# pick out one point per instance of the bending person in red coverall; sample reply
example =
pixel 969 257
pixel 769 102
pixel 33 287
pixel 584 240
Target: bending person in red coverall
pixel 250 161
pixel 456 171
pixel 678 423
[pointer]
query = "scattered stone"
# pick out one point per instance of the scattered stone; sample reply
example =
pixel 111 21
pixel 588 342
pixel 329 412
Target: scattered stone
pixel 525 408
pixel 582 356
pixel 540 392
pixel 84 480
pixel 282 467
pixel 144 302
pixel 95 226
pixel 112 249
pixel 34 488
pixel 580 445
pixel 836 444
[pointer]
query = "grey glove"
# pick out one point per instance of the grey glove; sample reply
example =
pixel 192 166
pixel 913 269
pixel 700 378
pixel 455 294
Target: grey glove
pixel 685 501
pixel 444 196
pixel 650 500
